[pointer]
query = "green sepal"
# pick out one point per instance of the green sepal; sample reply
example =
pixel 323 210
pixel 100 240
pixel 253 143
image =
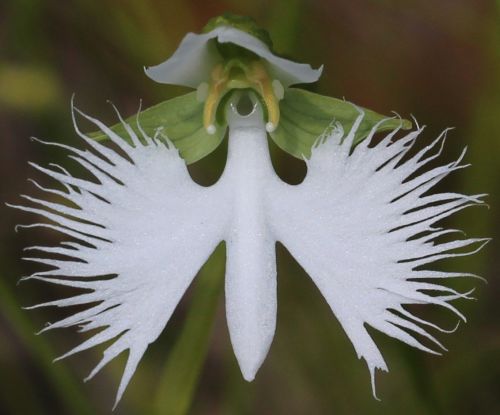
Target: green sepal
pixel 181 120
pixel 304 116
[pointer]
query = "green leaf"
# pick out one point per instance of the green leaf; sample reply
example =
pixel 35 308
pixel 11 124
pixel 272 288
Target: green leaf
pixel 304 116
pixel 182 121
pixel 183 367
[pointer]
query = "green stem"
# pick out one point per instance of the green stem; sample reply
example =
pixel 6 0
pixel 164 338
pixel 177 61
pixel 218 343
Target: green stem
pixel 284 19
pixel 183 367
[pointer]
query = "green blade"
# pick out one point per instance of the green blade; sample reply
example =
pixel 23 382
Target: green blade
pixel 185 361
pixel 181 120
pixel 304 116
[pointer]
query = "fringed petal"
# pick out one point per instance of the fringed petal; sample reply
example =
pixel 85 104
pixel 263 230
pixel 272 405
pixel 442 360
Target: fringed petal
pixel 141 220
pixel 362 226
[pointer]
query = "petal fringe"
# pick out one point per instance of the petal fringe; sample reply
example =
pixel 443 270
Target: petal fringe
pixel 139 218
pixel 362 225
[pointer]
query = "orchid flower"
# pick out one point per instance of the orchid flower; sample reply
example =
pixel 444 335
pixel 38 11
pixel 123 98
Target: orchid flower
pixel 362 224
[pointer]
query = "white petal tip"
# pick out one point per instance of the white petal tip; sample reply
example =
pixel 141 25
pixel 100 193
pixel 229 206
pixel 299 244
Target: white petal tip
pixel 249 379
pixel 250 366
pixel 211 129
pixel 249 376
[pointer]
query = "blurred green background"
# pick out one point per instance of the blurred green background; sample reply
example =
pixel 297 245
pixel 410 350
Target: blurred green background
pixel 437 60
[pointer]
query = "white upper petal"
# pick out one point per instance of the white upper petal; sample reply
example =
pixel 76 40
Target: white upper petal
pixel 191 63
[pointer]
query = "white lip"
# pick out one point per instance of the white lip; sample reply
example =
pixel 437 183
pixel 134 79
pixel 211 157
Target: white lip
pixel 191 63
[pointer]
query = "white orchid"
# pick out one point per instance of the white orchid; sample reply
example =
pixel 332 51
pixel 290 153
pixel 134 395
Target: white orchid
pixel 362 224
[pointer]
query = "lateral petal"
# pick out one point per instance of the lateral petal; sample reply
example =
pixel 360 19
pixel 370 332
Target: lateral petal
pixel 143 221
pixel 362 227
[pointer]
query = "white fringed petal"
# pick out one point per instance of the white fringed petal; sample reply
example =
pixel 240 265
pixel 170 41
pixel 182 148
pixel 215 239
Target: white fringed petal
pixel 141 219
pixel 363 225
pixel 192 62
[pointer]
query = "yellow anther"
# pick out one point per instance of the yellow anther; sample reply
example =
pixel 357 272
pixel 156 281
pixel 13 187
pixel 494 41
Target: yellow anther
pixel 220 78
pixel 259 79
